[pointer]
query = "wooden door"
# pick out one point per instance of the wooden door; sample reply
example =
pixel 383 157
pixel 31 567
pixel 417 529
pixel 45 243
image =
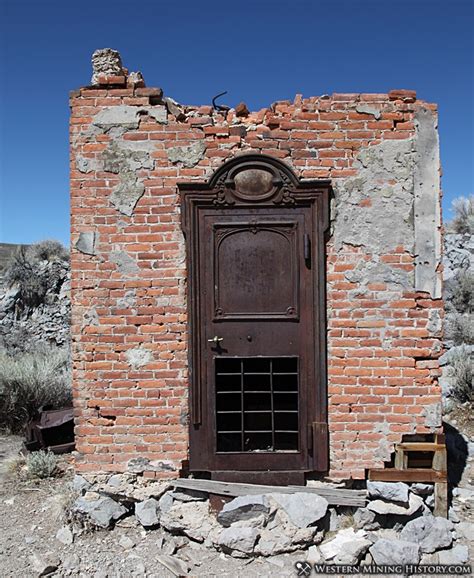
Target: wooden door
pixel 255 254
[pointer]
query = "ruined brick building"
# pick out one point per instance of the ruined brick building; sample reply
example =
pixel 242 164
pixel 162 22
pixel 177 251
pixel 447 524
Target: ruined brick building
pixel 253 292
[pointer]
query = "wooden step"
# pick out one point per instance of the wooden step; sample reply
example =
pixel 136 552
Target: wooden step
pixel 334 496
pixel 422 475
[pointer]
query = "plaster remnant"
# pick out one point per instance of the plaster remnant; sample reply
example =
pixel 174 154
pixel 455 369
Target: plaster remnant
pixel 188 155
pixel 435 323
pixel 125 263
pixel 383 451
pixel 374 271
pixel 375 208
pixel 127 156
pixel 427 205
pixel 107 62
pixel 85 165
pixel 432 415
pixel 138 357
pixel 128 300
pixel 91 317
pixel 127 193
pixel 123 115
pixel 159 113
pixel 368 109
pixel 87 242
pixel 127 116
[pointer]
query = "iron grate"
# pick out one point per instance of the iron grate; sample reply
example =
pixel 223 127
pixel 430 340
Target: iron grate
pixel 257 404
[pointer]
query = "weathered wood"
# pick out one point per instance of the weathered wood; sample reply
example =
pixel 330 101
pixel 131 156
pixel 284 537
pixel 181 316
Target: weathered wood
pixel 440 462
pixel 419 447
pixel 335 496
pixel 441 499
pixel 423 475
pixel 401 459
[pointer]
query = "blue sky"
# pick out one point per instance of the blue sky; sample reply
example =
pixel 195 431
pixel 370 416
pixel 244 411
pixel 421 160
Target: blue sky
pixel 259 51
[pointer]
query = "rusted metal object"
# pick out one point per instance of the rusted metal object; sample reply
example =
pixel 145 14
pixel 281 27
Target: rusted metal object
pixel 52 430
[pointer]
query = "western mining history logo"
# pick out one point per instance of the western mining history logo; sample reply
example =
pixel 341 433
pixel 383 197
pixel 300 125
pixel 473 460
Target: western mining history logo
pixel 306 569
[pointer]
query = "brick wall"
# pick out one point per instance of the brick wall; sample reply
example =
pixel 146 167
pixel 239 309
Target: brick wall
pixel 130 148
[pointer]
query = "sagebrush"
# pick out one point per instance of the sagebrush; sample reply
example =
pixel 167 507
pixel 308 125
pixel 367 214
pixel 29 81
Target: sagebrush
pixel 36 269
pixel 30 381
pixel 460 292
pixel 460 328
pixel 463 221
pixel 41 464
pixel 461 373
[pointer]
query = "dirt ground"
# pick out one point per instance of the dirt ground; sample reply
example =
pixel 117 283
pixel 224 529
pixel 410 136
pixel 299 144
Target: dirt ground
pixel 32 512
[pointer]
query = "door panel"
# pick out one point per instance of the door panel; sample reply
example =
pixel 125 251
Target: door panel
pixel 255 280
pixel 255 269
pixel 255 239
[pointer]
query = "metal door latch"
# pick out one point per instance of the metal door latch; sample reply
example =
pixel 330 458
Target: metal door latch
pixel 216 339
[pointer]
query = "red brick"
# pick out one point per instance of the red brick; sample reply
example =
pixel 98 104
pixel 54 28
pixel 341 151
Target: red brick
pixel 381 364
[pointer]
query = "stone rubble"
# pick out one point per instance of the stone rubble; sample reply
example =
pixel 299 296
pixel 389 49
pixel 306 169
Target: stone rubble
pixel 394 492
pixel 395 552
pixel 346 548
pixel 431 533
pixel 46 323
pixel 395 527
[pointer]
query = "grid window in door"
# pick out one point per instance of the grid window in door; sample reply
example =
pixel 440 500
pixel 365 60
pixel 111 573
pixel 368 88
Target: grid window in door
pixel 257 404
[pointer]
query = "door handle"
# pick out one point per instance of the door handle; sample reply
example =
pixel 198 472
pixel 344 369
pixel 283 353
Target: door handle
pixel 216 339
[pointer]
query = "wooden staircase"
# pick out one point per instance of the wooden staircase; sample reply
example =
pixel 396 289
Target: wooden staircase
pixel 424 462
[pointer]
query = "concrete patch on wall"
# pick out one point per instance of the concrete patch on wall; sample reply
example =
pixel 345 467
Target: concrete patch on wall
pixel 188 155
pixel 128 117
pixel 368 109
pixel 427 205
pixel 125 263
pixel 383 450
pixel 127 193
pixel 127 156
pixel 435 323
pixel 128 300
pixel 85 165
pixel 138 357
pixel 375 208
pixel 374 271
pixel 87 242
pixel 433 417
pixel 91 317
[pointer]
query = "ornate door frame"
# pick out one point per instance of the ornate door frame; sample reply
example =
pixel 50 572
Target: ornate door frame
pixel 257 181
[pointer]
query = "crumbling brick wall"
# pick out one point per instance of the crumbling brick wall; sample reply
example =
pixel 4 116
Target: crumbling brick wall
pixel 129 150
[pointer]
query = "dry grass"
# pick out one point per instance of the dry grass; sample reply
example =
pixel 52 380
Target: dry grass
pixel 30 381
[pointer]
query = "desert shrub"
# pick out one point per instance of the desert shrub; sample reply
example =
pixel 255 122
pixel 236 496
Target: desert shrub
pixel 30 381
pixel 41 464
pixel 23 272
pixel 35 270
pixel 461 373
pixel 49 250
pixel 460 292
pixel 460 328
pixel 463 221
